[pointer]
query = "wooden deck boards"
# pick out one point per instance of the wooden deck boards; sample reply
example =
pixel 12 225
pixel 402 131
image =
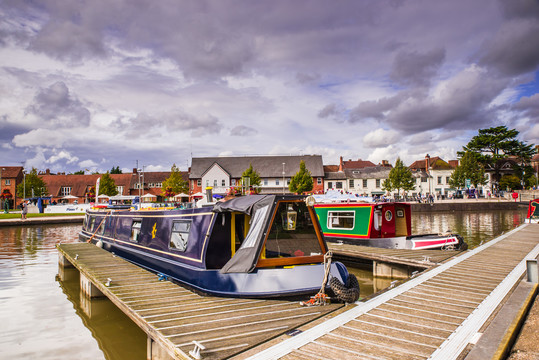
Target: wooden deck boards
pixel 420 258
pixel 174 316
pixel 431 316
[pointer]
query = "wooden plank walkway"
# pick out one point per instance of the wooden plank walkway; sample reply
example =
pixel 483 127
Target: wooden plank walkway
pixel 432 316
pixel 173 316
pixel 417 258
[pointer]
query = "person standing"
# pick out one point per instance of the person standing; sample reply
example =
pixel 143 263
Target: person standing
pixel 24 210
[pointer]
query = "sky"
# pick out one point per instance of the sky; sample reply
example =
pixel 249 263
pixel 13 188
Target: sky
pixel 91 85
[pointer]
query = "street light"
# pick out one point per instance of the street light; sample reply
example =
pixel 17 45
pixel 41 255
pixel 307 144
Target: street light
pixel 1 198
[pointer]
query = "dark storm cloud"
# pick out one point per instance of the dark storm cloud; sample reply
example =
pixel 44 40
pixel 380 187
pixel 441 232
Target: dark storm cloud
pixel 414 68
pixel 57 107
pixel 463 103
pixel 242 130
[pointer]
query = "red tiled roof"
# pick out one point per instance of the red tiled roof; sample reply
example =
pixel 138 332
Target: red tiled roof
pixel 11 172
pixel 331 168
pixel 357 164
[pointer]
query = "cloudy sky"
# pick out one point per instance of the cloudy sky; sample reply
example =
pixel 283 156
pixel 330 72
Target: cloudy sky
pixel 103 83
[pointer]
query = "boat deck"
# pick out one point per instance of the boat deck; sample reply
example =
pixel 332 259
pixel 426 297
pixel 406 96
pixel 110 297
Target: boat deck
pixel 435 315
pixel 174 317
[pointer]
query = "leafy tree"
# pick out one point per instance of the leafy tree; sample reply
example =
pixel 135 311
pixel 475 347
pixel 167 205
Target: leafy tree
pixel 497 143
pixel 175 183
pixel 400 177
pixel 254 177
pixel 107 186
pixel 32 181
pixel 80 172
pixel 302 181
pixel 115 170
pixel 509 182
pixel 469 168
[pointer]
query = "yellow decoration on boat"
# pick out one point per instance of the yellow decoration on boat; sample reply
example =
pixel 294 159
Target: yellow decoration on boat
pixel 154 230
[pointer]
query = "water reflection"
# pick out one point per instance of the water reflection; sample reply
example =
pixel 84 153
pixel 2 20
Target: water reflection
pixel 475 227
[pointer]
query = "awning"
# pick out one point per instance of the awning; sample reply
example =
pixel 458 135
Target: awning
pixel 67 197
pixel 180 195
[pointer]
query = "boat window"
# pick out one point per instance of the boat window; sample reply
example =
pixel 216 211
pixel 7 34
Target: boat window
pixel 135 230
pixel 297 241
pixel 341 219
pixel 179 235
pixel 91 223
pixel 257 224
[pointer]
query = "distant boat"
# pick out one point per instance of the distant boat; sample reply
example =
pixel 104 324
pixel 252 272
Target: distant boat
pixel 383 225
pixel 533 211
pixel 255 246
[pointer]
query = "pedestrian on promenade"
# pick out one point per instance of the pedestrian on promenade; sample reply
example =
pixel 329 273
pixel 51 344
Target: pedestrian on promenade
pixel 24 210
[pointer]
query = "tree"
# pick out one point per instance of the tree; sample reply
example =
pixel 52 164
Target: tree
pixel 254 178
pixel 302 181
pixel 469 168
pixel 497 143
pixel 107 186
pixel 509 182
pixel 80 172
pixel 175 183
pixel 400 177
pixel 32 185
pixel 115 170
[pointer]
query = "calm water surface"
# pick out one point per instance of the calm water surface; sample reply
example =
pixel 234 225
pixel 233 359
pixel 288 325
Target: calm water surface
pixel 43 317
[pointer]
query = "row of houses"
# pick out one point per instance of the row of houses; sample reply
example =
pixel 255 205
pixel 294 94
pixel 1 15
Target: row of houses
pixel 361 177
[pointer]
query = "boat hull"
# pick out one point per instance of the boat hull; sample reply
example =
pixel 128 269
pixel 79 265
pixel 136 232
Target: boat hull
pixel 418 242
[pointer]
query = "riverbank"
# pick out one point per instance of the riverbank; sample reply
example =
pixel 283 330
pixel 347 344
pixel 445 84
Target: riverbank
pixel 42 220
pixel 467 205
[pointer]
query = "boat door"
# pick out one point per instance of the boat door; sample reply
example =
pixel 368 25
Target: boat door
pixel 388 220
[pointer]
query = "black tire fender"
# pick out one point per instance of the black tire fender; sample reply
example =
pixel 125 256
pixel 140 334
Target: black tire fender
pixel 348 292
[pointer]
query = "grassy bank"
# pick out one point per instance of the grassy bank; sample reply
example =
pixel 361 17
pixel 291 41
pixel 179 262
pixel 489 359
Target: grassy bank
pixel 18 215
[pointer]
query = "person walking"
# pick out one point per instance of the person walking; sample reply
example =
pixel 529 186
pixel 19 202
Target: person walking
pixel 24 210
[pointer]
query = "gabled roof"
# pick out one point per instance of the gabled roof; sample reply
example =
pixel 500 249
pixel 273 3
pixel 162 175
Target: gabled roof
pixel 266 166
pixel 11 172
pixel 436 163
pixel 219 166
pixel 356 164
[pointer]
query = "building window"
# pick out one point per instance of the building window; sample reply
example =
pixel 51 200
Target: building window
pixel 7 182
pixel 223 183
pixel 351 183
pixel 180 235
pixel 276 181
pixel 364 183
pixel 423 179
pixel 377 183
pixel 199 182
pixel 233 182
pixel 207 183
pixel 338 185
pixel 287 181
pixel 330 185
pixel 439 180
pixel 341 220
pixel 319 181
pixel 66 190
pixel 120 190
pixel 447 179
pixel 215 183
pixel 265 182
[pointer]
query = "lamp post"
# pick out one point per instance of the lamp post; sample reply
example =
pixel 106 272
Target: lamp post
pixel 283 177
pixel 1 198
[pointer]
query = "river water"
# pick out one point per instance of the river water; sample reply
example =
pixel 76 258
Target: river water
pixel 44 317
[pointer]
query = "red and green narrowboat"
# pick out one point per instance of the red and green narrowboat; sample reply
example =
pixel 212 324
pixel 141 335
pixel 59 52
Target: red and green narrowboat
pixel 384 225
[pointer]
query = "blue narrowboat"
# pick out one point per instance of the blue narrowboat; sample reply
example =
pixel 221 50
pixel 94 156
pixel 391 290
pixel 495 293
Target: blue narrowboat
pixel 256 246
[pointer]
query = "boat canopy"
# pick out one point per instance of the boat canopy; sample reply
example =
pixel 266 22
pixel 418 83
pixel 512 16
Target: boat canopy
pixel 259 208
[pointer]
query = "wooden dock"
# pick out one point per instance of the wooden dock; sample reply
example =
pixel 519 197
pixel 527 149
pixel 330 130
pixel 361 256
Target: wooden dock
pixel 174 317
pixel 435 315
pixel 392 263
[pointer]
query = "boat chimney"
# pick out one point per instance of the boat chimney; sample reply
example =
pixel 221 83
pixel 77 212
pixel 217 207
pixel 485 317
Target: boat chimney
pixel 209 194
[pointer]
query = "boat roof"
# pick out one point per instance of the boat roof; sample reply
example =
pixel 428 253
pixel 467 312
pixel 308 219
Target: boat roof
pixel 244 204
